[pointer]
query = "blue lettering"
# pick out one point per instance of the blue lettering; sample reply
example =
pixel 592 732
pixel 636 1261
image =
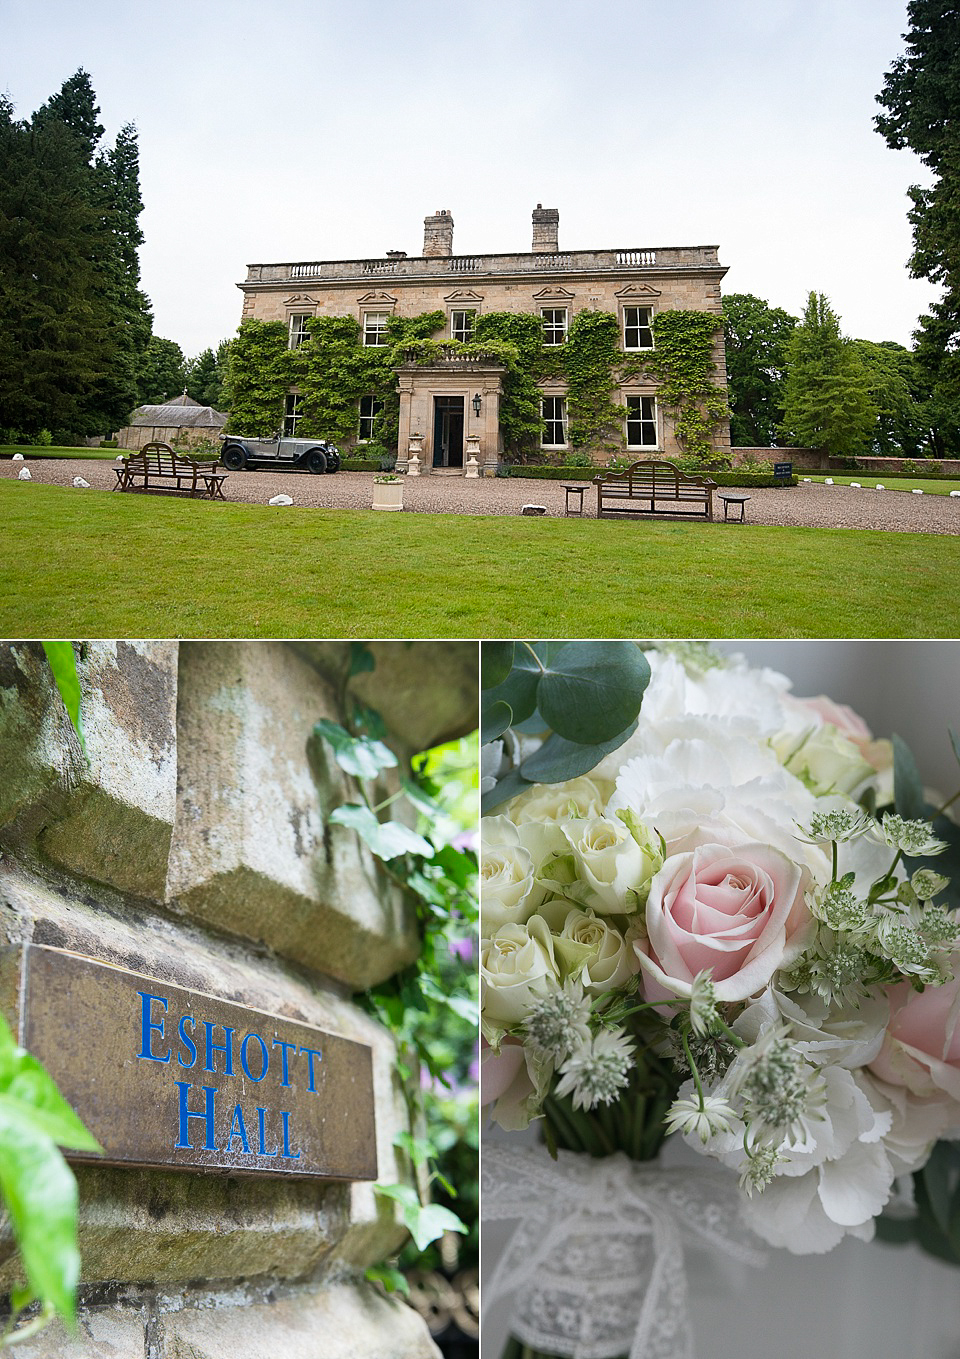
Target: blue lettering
pixel 285 1048
pixel 264 1058
pixel 148 1025
pixel 313 1052
pixel 187 1041
pixel 186 1114
pixel 212 1047
pixel 285 1119
pixel 261 1114
pixel 238 1130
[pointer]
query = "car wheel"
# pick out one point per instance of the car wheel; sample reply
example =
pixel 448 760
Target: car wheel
pixel 234 458
pixel 317 460
pixel 333 462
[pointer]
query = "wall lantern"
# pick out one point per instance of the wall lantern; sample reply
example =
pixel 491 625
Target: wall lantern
pixel 477 403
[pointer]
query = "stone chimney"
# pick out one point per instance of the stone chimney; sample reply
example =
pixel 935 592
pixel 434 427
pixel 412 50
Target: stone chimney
pixel 438 233
pixel 546 224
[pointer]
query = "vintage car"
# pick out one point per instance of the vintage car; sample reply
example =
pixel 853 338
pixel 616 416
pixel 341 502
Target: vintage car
pixel 313 455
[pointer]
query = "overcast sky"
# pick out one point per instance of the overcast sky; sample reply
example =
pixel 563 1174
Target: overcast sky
pixel 292 130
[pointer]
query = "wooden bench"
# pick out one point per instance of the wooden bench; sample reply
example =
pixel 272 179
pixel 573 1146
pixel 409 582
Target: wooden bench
pixel 157 467
pixel 650 487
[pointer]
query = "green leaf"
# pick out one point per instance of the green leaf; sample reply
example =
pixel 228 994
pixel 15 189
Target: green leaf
pixel 511 785
pixel 558 760
pixel 593 690
pixel 393 1280
pixel 429 1223
pixel 496 716
pixel 41 1197
pixel 28 1091
pixel 955 743
pixel 361 659
pixel 519 689
pixel 417 1148
pixel 907 784
pixel 387 839
pixel 360 756
pixel 63 664
pixel 496 662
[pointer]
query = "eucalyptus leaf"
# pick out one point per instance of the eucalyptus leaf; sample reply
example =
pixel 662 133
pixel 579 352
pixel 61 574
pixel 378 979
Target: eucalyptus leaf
pixel 496 662
pixel 955 743
pixel 387 839
pixel 590 691
pixel 519 689
pixel 558 760
pixel 361 756
pixel 907 784
pixel 496 716
pixel 511 785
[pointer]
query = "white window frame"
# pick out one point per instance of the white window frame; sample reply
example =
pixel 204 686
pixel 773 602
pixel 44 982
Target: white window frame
pixel 297 332
pixel 375 333
pixel 292 411
pixel 638 326
pixel 464 330
pixel 367 417
pixel 559 403
pixel 552 328
pixel 646 419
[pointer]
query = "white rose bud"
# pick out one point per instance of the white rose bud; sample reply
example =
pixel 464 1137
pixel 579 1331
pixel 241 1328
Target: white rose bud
pixel 828 763
pixel 611 862
pixel 589 949
pixel 517 968
pixel 560 801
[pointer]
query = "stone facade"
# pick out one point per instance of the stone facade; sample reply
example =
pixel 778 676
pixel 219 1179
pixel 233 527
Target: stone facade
pixel 438 403
pixel 191 845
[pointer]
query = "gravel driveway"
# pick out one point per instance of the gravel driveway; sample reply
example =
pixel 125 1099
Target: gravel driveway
pixel 812 505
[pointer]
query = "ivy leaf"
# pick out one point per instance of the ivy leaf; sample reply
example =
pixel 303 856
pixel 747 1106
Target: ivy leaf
pixel 590 691
pixel 558 759
pixel 361 659
pixel 360 756
pixel 387 839
pixel 41 1197
pixel 392 1279
pixel 63 666
pixel 419 1149
pixel 425 1224
pixel 496 662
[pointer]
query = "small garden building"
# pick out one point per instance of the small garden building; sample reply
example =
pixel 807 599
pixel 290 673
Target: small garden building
pixel 180 421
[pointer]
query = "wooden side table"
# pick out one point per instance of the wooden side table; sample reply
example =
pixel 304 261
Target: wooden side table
pixel 577 509
pixel 733 498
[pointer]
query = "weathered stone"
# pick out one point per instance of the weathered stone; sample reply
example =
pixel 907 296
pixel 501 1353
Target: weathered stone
pixel 252 853
pixel 100 1335
pixel 108 817
pixel 340 1322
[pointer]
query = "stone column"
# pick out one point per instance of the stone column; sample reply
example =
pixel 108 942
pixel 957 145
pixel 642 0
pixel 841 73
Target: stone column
pixel 193 848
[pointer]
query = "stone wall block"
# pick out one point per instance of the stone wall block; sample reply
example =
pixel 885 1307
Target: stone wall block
pixel 252 853
pixel 342 1322
pixel 108 817
pixel 100 1335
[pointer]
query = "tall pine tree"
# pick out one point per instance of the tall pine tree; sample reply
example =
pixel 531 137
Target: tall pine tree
pixel 826 399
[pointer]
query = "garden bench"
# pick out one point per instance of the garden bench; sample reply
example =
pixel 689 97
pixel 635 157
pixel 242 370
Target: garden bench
pixel 650 487
pixel 157 467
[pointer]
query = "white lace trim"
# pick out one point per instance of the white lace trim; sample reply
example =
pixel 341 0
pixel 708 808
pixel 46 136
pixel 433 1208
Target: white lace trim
pixel 595 1265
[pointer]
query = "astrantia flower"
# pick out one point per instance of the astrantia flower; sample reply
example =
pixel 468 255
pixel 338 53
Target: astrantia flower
pixel 703 1004
pixel 759 1168
pixel 926 884
pixel 781 1091
pixel 910 837
pixel 704 1120
pixel 597 1071
pixel 559 1023
pixel 843 823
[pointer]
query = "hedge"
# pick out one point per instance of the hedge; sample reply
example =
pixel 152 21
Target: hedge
pixel 732 478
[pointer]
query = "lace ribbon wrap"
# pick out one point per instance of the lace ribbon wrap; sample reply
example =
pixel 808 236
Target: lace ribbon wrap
pixel 596 1262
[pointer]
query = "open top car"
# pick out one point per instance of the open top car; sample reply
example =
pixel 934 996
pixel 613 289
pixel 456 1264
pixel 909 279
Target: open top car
pixel 311 455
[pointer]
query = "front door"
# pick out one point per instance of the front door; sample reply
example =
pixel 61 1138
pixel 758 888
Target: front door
pixel 448 431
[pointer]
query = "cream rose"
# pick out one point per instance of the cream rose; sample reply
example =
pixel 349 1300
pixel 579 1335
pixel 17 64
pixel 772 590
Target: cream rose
pixel 560 801
pixel 921 1048
pixel 611 862
pixel 509 892
pixel 727 911
pixel 517 968
pixel 828 762
pixel 588 948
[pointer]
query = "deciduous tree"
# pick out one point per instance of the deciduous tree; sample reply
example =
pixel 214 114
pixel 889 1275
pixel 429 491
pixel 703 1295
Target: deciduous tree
pixel 756 337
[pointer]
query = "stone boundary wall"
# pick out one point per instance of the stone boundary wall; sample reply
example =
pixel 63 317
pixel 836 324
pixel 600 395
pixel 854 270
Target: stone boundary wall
pixel 816 460
pixel 193 847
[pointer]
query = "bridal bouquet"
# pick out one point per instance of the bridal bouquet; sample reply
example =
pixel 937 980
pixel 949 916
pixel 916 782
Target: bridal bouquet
pixel 712 909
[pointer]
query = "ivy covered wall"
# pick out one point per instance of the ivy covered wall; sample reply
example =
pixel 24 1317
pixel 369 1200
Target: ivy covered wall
pixel 333 370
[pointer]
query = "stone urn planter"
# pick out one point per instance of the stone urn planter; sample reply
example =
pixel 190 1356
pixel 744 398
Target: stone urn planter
pixel 388 493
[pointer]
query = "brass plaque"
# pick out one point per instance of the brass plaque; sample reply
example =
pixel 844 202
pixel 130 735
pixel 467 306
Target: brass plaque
pixel 167 1077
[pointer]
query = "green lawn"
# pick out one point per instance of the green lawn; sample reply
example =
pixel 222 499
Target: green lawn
pixel 95 565
pixel 928 485
pixel 31 451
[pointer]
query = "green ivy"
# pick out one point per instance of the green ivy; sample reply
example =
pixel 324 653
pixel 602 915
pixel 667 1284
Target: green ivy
pixel 591 358
pixel 258 378
pixel 683 365
pixel 521 423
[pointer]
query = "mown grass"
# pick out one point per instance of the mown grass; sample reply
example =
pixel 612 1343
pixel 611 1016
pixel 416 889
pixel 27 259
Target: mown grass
pixel 30 451
pixel 928 485
pixel 80 564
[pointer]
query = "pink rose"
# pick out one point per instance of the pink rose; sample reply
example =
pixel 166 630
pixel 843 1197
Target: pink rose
pixel 849 723
pixel 726 911
pixel 499 1070
pixel 921 1047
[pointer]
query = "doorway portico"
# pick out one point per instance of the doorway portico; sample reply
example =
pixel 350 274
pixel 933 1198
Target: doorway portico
pixel 450 408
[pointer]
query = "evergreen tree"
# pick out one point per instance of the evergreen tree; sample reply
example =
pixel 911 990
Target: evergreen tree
pixel 826 397
pixel 756 337
pixel 921 96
